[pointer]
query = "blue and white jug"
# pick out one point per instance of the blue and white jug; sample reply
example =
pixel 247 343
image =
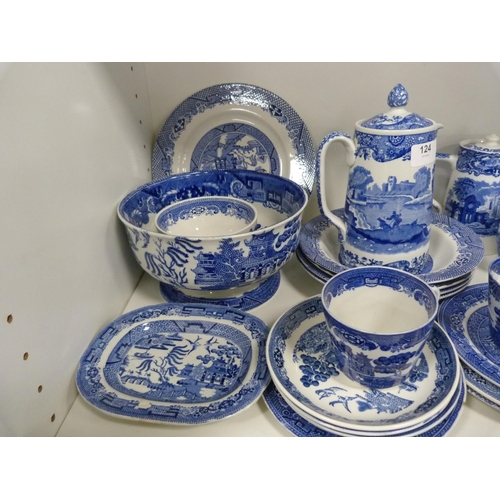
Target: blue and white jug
pixel 389 201
pixel 473 194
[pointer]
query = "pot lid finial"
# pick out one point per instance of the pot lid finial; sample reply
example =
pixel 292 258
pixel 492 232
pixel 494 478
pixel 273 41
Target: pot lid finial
pixel 398 97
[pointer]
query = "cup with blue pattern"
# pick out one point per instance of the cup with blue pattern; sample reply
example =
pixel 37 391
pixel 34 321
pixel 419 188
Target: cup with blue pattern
pixel 494 299
pixel 379 319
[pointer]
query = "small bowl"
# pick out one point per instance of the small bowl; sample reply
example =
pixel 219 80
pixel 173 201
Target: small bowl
pixel 207 217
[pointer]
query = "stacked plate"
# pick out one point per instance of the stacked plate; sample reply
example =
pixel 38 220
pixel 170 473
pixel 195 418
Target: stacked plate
pixel 455 251
pixel 465 319
pixel 308 385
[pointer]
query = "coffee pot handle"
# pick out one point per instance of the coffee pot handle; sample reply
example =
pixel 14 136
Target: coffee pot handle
pixel 350 147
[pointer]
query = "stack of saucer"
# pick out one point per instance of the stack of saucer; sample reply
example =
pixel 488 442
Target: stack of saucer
pixel 309 386
pixel 465 318
pixel 455 251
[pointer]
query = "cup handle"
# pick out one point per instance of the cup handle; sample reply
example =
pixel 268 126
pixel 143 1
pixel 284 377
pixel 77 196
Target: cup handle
pixel 350 147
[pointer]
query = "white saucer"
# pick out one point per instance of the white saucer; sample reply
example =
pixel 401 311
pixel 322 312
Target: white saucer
pixel 303 367
pixel 455 249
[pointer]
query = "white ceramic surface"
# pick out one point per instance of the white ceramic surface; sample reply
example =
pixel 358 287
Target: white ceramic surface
pixel 210 216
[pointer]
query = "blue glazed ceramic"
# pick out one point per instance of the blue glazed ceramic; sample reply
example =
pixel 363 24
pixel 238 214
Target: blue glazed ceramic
pixel 301 427
pixel 176 363
pixel 389 200
pixel 486 391
pixel 455 248
pixel 235 126
pixel 207 216
pixel 494 299
pixel 379 320
pixel 465 318
pixel 304 367
pixel 473 194
pixel 215 263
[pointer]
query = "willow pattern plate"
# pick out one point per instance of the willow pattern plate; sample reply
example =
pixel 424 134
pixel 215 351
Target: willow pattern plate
pixel 235 126
pixel 301 427
pixel 414 430
pixel 176 363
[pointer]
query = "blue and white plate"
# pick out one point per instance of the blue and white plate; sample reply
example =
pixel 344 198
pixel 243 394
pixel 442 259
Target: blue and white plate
pixel 323 276
pixel 455 249
pixel 301 427
pixel 479 386
pixel 303 368
pixel 412 430
pixel 235 126
pixel 466 319
pixel 244 298
pixel 176 364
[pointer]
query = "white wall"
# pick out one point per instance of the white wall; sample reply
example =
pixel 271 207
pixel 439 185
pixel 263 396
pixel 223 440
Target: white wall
pixel 71 146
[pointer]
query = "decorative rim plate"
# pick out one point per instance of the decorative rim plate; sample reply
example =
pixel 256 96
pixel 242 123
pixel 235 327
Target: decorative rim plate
pixel 235 125
pixel 458 398
pixel 322 276
pixel 480 386
pixel 241 299
pixel 176 363
pixel 301 427
pixel 303 367
pixel 455 248
pixel 466 319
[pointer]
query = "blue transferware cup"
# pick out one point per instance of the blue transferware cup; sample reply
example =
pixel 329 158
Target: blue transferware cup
pixel 379 319
pixel 494 299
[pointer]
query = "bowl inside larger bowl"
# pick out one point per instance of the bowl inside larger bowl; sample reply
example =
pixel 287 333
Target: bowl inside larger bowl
pixel 215 263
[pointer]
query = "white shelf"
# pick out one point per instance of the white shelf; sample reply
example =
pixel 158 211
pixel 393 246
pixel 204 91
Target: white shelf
pixel 477 419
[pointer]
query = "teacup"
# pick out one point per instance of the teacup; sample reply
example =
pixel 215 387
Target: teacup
pixel 494 299
pixel 379 319
pixel 208 216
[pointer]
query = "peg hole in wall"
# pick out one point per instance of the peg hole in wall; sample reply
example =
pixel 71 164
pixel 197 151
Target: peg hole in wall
pixel 144 146
pixel 25 356
pixel 10 317
pixel 53 417
pixel 136 96
pixel 131 68
pixel 40 388
pixel 140 121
